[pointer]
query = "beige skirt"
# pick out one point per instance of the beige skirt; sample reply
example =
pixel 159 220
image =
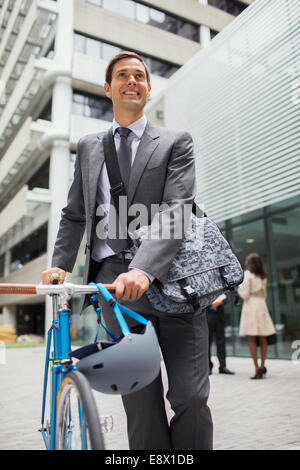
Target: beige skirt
pixel 255 318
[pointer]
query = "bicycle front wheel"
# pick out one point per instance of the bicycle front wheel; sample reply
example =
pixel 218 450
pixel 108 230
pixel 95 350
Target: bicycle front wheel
pixel 77 424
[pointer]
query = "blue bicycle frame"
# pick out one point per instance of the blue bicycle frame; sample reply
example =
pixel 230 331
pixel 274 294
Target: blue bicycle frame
pixel 59 333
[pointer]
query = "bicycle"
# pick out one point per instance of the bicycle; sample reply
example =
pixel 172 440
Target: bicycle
pixel 73 421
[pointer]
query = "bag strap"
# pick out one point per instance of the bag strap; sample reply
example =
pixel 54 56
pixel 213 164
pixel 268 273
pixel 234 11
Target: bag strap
pixel 114 174
pixel 197 211
pixel 117 187
pixel 118 309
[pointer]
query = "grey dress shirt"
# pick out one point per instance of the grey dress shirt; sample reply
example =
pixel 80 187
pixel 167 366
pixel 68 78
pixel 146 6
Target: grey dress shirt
pixel 101 250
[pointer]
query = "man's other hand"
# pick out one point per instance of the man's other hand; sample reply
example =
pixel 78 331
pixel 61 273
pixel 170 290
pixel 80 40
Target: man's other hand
pixel 217 303
pixel 131 285
pixel 46 275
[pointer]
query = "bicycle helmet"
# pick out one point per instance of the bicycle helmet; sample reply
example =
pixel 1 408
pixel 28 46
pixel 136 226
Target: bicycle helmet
pixel 126 364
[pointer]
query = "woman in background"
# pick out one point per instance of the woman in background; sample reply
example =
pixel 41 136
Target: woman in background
pixel 255 317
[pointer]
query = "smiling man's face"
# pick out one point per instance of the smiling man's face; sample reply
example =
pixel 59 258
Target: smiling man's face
pixel 129 89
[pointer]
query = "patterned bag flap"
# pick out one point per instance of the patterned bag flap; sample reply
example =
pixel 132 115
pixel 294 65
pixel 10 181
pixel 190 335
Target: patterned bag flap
pixel 203 248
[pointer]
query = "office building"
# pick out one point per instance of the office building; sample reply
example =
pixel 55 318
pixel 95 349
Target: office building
pixel 240 99
pixel 53 55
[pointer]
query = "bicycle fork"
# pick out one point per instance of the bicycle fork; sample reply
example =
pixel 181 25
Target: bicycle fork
pixel 59 332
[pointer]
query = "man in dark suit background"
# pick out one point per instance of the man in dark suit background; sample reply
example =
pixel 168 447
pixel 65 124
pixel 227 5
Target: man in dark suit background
pixel 216 326
pixel 161 171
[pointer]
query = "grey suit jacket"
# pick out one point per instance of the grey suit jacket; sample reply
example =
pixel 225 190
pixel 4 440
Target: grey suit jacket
pixel 163 172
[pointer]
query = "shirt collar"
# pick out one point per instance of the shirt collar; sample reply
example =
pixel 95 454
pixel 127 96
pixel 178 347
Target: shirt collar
pixel 137 127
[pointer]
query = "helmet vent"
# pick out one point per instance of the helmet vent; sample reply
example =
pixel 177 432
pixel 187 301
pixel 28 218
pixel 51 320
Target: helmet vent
pixel 98 366
pixel 114 387
pixel 133 385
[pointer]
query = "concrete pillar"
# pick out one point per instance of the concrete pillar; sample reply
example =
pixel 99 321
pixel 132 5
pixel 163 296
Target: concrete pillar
pixel 7 261
pixel 9 316
pixel 204 31
pixel 61 114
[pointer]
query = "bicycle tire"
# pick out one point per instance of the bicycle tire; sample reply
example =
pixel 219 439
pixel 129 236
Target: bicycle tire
pixel 90 433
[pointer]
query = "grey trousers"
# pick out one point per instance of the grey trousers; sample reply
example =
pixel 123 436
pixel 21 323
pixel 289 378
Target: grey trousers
pixel 183 340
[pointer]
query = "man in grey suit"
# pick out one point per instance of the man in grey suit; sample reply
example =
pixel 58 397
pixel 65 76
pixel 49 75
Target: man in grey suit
pixel 161 171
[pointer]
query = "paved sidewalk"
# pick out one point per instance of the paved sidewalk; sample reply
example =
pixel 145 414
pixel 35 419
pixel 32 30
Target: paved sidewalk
pixel 247 414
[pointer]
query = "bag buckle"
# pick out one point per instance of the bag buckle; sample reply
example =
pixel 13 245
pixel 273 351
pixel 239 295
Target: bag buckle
pixel 117 189
pixel 192 295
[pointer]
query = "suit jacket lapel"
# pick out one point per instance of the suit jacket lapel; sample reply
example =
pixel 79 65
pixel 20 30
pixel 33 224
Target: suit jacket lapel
pixel 147 145
pixel 96 160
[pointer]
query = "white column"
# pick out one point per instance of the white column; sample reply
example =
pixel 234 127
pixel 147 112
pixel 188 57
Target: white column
pixel 204 31
pixel 9 315
pixel 7 260
pixel 61 114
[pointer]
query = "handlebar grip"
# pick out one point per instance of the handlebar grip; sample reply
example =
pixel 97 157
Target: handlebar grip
pixel 54 278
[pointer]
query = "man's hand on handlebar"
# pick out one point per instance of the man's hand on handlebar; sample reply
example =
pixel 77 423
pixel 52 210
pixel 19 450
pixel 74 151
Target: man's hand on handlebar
pixel 50 276
pixel 131 285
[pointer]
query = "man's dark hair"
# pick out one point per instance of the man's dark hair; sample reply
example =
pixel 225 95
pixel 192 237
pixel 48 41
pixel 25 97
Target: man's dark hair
pixel 124 55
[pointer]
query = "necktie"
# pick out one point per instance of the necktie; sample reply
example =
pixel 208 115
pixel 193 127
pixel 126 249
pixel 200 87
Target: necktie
pixel 124 158
pixel 124 155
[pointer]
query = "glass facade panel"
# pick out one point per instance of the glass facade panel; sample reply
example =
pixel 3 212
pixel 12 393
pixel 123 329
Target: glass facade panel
pixel 240 219
pixel 93 48
pixel 285 203
pixel 147 15
pixel 40 179
pixel 79 43
pixel 2 264
pixel 142 13
pixel 233 7
pixel 105 51
pixel 244 239
pixel 30 248
pixel 285 247
pixel 108 51
pixel 276 237
pixel 157 18
pixel 98 107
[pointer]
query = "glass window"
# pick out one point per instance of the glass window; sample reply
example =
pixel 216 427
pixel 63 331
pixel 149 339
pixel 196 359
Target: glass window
pixel 239 219
pixel 78 104
pixel 285 245
pixel 50 52
pixel 244 240
pixel 285 203
pixel 2 264
pixel 213 33
pixel 108 51
pixel 188 30
pixel 30 248
pixel 156 113
pixel 98 3
pixel 78 98
pixel 79 42
pixel 113 5
pixel 88 105
pixel 157 18
pixel 142 13
pixel 41 177
pixel 152 16
pixel 105 51
pixel 126 8
pixel 93 48
pixel 234 7
pixel 46 112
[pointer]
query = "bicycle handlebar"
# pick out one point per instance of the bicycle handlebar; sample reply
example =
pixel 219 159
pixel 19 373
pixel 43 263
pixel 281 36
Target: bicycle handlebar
pixel 65 288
